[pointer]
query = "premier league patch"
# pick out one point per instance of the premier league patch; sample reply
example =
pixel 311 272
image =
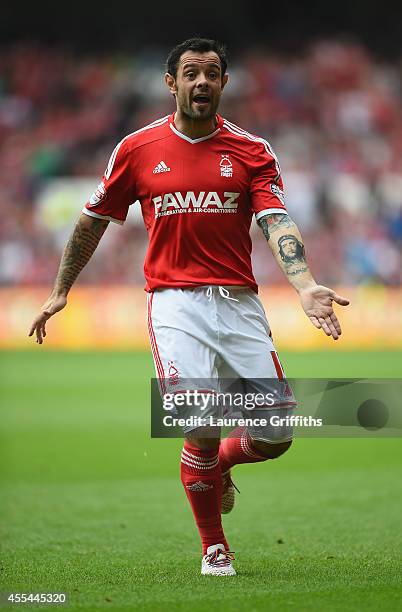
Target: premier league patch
pixel 278 192
pixel 98 195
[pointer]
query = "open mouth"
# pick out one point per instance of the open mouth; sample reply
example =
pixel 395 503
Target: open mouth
pixel 201 99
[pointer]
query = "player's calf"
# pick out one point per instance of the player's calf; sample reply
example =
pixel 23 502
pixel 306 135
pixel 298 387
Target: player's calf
pixel 202 481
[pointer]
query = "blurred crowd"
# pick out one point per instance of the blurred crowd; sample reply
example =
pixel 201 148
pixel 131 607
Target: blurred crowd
pixel 333 115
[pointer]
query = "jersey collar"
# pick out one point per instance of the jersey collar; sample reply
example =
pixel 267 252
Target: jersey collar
pixel 195 140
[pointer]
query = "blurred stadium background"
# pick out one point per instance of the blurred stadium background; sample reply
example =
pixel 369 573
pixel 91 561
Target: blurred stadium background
pixel 331 108
pixel 79 472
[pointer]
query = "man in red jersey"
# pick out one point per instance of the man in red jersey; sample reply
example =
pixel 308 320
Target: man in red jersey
pixel 200 179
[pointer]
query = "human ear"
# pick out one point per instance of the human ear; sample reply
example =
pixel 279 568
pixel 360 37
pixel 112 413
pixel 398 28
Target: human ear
pixel 225 79
pixel 170 83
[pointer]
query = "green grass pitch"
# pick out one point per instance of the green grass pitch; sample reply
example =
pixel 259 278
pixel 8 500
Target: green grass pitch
pixel 92 506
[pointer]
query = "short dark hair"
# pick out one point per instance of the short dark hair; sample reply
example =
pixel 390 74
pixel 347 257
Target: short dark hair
pixel 199 45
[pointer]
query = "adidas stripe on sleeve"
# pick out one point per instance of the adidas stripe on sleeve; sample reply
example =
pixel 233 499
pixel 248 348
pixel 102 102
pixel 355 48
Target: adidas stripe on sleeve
pixel 266 186
pixel 114 195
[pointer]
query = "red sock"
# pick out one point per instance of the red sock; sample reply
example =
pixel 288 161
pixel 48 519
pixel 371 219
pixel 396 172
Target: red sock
pixel 202 480
pixel 237 448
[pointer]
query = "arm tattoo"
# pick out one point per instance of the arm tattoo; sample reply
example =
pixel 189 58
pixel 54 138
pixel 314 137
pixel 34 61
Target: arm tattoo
pixel 78 251
pixel 291 251
pixel 270 223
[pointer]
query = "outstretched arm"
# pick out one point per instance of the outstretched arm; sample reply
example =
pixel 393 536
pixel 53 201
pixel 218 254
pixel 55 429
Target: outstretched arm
pixel 78 251
pixel 286 244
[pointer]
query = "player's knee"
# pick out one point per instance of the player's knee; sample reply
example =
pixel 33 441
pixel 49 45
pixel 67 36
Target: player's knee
pixel 269 450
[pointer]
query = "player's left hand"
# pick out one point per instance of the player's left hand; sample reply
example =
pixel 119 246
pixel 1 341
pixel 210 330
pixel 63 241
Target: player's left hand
pixel 317 304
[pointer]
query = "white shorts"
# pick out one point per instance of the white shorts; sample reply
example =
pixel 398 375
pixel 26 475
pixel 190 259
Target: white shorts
pixel 210 334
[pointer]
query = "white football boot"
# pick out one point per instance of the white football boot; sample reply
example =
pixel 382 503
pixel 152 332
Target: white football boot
pixel 217 562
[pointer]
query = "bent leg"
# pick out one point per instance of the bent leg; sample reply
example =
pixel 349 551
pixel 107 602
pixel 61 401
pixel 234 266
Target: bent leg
pixel 270 450
pixel 241 447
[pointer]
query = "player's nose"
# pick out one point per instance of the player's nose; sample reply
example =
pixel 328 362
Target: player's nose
pixel 202 81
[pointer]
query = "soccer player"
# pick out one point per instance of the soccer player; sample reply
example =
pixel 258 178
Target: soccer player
pixel 200 179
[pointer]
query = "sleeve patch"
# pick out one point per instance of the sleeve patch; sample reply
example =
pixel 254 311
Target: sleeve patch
pixel 98 195
pixel 276 190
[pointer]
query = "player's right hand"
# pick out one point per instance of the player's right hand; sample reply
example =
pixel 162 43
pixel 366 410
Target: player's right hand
pixel 49 308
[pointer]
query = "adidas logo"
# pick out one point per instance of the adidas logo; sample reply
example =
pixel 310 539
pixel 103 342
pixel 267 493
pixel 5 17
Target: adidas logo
pixel 161 167
pixel 199 486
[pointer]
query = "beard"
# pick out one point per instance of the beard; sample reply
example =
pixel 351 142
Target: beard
pixel 198 114
pixel 191 111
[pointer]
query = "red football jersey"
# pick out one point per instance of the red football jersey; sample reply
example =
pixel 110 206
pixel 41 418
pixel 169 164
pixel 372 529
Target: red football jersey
pixel 197 199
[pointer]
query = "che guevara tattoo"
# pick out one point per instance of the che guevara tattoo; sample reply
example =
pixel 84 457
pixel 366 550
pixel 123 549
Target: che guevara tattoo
pixel 291 249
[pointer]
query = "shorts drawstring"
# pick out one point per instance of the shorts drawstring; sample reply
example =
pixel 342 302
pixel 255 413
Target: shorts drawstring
pixel 223 292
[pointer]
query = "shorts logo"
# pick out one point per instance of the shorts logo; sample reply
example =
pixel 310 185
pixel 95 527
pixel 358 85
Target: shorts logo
pixel 287 391
pixel 204 201
pixel 226 166
pixel 173 374
pixel 278 192
pixel 98 195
